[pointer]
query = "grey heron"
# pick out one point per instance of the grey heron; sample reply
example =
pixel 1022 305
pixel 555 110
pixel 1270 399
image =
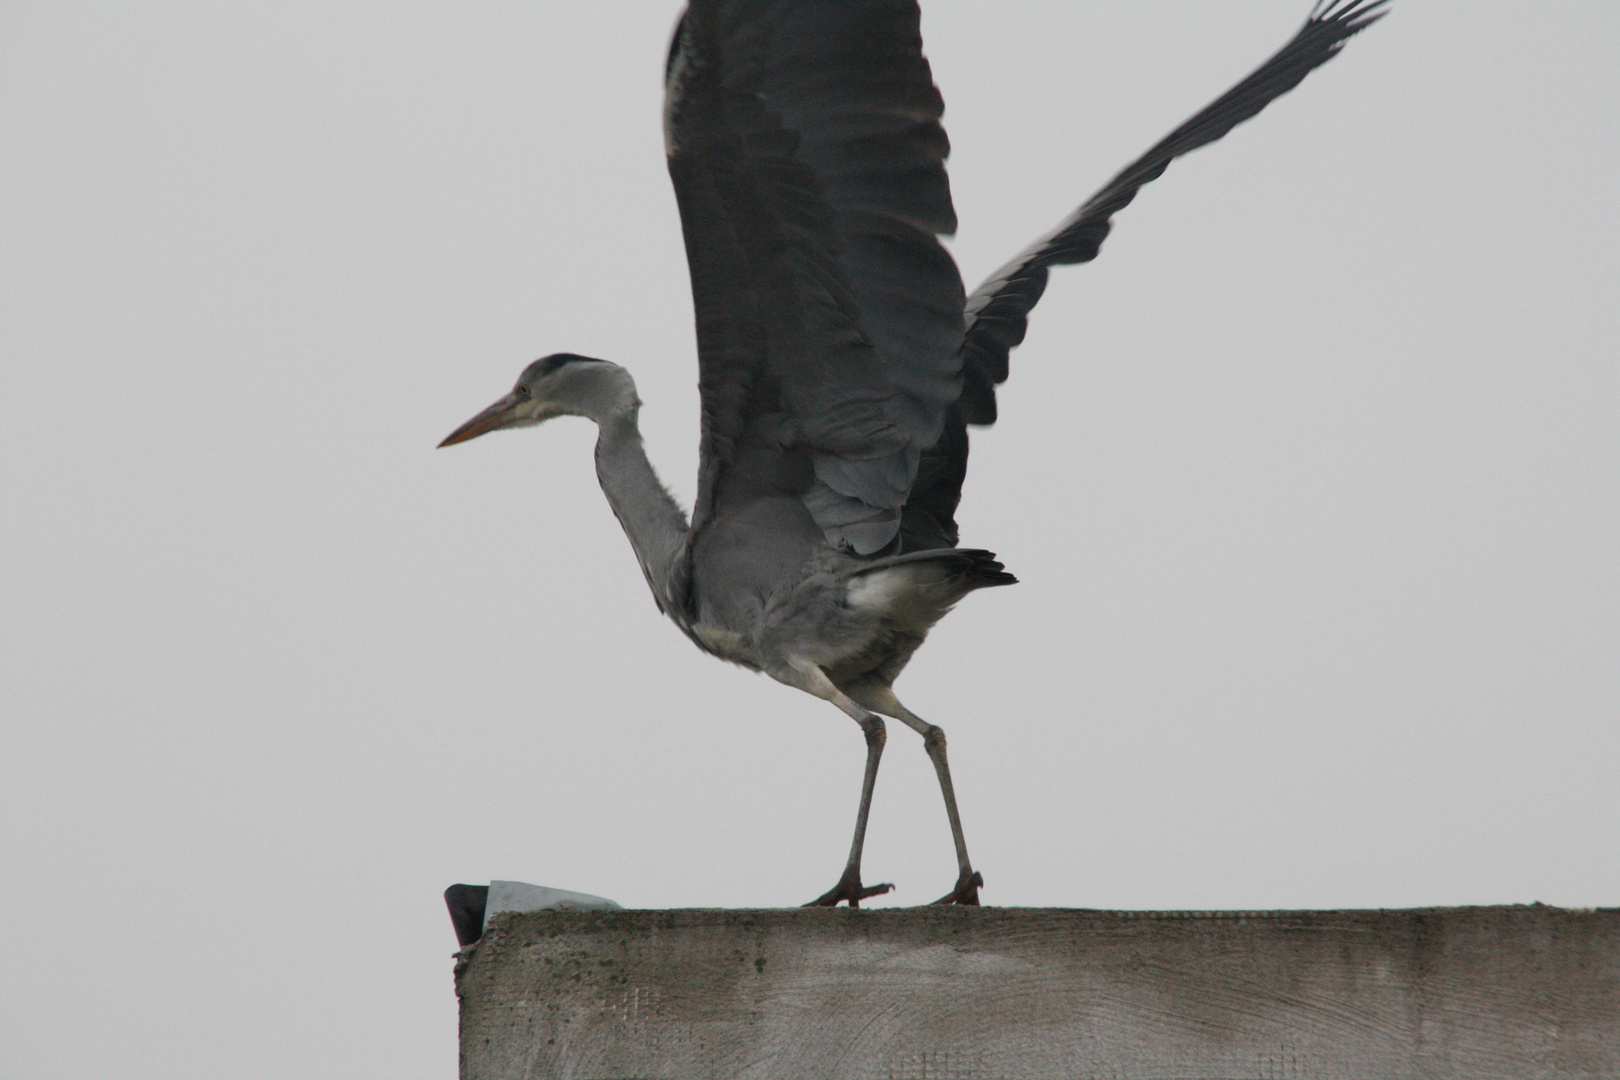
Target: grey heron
pixel 840 360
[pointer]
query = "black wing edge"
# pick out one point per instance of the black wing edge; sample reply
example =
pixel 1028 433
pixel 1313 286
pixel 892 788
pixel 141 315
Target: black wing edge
pixel 998 311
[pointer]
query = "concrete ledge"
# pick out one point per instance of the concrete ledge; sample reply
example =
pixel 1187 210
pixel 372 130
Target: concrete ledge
pixel 1011 993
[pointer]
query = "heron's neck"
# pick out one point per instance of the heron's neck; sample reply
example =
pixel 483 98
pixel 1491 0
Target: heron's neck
pixel 652 519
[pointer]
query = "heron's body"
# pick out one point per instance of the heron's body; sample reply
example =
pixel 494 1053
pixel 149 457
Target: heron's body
pixel 840 358
pixel 762 587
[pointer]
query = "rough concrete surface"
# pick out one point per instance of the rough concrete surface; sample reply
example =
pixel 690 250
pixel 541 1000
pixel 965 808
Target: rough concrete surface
pixel 1517 993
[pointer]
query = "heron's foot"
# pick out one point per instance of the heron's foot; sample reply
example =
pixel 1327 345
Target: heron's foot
pixel 849 890
pixel 966 891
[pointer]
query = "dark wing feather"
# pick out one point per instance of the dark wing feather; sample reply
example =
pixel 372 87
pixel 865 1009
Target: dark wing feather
pixel 998 310
pixel 808 162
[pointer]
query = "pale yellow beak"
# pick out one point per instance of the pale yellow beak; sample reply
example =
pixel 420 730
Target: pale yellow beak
pixel 491 418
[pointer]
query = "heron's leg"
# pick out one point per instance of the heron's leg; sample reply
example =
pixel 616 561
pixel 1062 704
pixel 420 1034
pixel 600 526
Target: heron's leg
pixel 882 699
pixel 849 888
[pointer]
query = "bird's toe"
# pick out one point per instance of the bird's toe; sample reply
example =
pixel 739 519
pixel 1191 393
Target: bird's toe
pixel 849 890
pixel 966 891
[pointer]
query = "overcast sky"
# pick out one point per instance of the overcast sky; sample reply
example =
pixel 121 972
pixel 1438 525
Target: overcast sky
pixel 1311 480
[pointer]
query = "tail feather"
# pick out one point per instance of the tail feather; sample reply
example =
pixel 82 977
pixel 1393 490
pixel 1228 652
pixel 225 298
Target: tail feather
pixel 980 568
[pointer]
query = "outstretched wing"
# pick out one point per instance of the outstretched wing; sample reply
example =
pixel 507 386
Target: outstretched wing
pixel 808 160
pixel 998 310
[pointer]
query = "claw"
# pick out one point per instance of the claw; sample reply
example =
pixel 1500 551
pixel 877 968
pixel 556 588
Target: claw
pixel 966 891
pixel 849 890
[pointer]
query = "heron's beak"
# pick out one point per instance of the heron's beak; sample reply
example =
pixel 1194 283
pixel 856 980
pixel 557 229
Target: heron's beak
pixel 497 415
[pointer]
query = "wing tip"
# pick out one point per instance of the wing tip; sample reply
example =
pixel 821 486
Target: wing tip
pixel 1348 16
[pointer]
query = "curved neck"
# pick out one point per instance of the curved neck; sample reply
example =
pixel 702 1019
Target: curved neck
pixel 653 521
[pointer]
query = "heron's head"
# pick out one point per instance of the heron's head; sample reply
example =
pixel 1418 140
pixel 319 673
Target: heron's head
pixel 558 385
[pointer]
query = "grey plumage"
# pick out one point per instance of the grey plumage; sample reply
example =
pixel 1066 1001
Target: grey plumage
pixel 840 359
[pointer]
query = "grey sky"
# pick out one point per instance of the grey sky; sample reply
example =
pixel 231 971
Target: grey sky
pixel 1310 480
